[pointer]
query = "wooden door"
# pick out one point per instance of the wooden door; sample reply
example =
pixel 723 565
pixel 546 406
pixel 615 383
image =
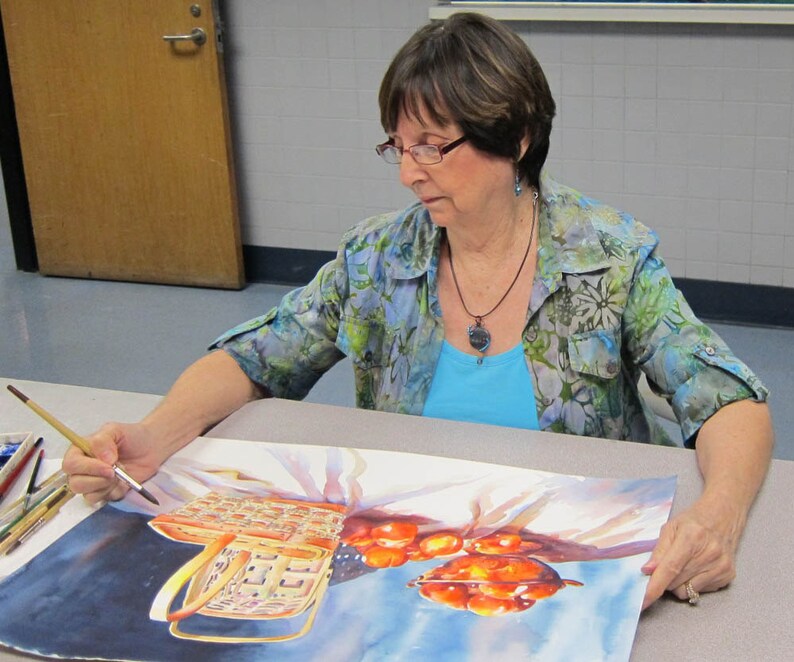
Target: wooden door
pixel 125 140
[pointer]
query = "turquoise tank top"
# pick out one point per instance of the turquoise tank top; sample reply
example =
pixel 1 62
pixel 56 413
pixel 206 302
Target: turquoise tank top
pixel 499 391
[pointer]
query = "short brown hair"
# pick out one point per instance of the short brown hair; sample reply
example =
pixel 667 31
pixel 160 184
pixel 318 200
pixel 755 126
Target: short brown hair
pixel 472 70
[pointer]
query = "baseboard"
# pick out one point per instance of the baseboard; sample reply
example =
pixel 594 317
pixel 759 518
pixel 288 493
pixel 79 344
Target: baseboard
pixel 735 303
pixel 283 266
pixel 739 303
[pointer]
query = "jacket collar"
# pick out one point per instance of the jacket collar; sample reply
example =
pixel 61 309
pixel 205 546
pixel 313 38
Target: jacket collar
pixel 569 243
pixel 415 244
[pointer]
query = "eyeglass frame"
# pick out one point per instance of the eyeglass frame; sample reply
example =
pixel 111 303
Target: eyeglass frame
pixel 381 150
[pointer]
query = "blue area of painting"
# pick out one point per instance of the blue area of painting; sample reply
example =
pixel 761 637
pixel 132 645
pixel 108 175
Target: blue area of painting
pixel 68 601
pixel 6 452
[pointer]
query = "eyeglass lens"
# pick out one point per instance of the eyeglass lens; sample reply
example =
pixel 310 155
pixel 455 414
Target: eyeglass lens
pixel 425 154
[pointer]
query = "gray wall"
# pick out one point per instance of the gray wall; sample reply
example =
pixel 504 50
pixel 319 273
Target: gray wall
pixel 688 127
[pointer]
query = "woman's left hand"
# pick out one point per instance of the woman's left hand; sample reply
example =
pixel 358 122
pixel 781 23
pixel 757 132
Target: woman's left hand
pixel 697 546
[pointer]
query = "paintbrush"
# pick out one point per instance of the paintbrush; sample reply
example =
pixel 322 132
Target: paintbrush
pixel 81 443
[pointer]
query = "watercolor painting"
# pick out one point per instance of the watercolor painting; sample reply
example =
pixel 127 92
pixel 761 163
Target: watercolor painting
pixel 293 552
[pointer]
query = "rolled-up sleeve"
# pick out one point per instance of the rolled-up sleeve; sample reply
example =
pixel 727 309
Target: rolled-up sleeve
pixel 290 347
pixel 685 361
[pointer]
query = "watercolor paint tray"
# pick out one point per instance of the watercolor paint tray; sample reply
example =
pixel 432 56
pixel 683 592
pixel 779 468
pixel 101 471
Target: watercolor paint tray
pixel 14 448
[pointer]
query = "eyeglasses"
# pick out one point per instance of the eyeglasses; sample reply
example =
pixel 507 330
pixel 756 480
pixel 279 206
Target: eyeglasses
pixel 421 153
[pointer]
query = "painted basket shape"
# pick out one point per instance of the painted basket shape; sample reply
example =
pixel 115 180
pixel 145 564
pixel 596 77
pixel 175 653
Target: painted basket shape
pixel 263 558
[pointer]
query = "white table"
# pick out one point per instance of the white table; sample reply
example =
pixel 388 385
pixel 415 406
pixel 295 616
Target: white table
pixel 751 620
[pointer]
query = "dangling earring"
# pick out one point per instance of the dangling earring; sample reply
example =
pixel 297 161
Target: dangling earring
pixel 517 188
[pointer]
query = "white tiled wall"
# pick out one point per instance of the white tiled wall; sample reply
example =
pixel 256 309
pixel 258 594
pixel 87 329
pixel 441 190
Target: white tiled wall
pixel 690 128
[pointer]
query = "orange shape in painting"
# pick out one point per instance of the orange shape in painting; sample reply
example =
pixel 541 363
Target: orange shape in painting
pixel 360 540
pixel 496 584
pixel 522 569
pixel 357 535
pixel 496 543
pixel 451 595
pixel 502 590
pixel 540 591
pixel 415 553
pixel 395 534
pixel 486 605
pixel 441 544
pixel 384 557
pixel 523 603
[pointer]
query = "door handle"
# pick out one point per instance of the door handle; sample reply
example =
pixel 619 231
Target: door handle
pixel 197 36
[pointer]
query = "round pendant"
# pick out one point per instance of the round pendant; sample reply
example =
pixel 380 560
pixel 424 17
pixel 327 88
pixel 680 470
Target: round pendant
pixel 479 338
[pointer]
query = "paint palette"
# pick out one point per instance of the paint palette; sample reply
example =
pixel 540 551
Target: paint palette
pixel 14 447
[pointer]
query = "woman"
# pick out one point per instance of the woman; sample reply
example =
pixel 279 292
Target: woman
pixel 501 296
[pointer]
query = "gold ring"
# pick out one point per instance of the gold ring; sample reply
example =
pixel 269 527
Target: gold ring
pixel 691 593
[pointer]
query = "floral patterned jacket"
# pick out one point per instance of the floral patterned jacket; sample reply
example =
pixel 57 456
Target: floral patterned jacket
pixel 603 308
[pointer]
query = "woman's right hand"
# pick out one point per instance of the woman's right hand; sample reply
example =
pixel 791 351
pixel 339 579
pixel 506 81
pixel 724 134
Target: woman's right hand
pixel 209 390
pixel 132 446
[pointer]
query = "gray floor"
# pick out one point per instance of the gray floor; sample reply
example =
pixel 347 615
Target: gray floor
pixel 139 337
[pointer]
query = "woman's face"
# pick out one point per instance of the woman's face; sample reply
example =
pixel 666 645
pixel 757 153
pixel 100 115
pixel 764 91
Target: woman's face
pixel 468 187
